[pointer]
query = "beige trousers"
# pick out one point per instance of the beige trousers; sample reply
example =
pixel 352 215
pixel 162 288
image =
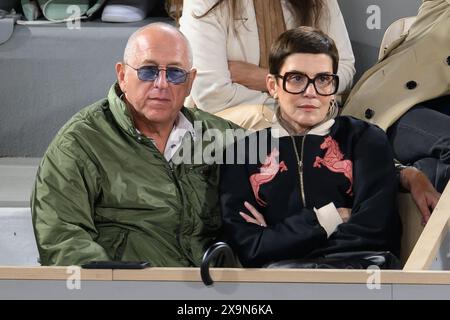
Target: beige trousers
pixel 253 117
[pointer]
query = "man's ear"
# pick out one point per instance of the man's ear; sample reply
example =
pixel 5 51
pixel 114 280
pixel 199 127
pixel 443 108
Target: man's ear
pixel 120 73
pixel 271 83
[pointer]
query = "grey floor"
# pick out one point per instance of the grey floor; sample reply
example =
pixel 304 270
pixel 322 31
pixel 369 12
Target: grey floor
pixel 16 180
pixel 17 243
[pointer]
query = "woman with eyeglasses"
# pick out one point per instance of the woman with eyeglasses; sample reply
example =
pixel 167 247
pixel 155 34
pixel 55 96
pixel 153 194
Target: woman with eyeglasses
pixel 324 186
pixel 231 41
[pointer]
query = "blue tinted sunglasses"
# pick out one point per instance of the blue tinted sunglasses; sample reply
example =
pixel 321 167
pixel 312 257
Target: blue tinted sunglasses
pixel 174 75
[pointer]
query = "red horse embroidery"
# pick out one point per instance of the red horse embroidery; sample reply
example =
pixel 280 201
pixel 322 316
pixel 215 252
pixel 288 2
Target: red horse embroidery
pixel 333 160
pixel 268 171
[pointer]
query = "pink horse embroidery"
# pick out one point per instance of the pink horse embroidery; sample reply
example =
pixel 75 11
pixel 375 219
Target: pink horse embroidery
pixel 333 160
pixel 268 171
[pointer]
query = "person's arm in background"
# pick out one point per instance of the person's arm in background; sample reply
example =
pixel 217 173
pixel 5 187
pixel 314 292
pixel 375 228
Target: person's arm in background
pixel 62 207
pixel 213 89
pixel 334 25
pixel 248 75
pixel 422 191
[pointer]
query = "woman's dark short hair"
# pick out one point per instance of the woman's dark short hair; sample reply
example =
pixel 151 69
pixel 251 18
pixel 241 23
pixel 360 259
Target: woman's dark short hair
pixel 301 40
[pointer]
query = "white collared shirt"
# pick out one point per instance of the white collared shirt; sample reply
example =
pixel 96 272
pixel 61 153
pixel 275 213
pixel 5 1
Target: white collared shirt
pixel 181 127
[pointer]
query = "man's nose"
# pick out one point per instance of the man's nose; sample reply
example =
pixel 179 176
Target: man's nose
pixel 161 80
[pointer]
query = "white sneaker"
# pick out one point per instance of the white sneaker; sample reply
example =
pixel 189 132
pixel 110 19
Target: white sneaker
pixel 126 11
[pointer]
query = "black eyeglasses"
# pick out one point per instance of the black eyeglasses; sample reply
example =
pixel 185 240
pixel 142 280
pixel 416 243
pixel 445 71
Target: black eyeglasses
pixel 174 75
pixel 296 82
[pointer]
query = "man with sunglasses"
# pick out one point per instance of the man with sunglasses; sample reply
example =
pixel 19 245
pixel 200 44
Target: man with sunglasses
pixel 108 187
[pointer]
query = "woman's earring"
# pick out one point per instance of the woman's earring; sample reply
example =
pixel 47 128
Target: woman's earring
pixel 333 111
pixel 275 95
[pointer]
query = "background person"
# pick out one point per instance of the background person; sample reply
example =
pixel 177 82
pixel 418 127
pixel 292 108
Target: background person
pixel 231 42
pixel 407 94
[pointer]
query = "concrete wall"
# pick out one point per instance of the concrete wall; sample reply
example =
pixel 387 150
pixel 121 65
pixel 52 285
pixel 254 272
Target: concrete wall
pixel 48 73
pixel 365 41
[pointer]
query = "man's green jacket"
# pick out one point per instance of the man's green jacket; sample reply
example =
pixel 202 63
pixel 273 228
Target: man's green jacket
pixel 104 192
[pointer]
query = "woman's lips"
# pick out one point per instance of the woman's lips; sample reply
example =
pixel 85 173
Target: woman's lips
pixel 308 107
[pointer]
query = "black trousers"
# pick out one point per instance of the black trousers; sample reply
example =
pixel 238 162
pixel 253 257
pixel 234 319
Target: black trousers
pixel 421 137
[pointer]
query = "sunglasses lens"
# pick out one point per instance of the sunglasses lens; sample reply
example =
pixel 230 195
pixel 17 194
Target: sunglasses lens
pixel 151 73
pixel 176 75
pixel 148 73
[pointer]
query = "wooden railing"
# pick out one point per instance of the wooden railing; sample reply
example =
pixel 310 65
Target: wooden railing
pixel 432 235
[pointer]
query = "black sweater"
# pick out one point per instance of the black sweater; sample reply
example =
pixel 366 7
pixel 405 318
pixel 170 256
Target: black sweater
pixel 353 169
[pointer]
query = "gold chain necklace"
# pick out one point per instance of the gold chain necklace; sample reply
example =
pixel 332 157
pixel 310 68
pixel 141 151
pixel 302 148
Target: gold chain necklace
pixel 300 168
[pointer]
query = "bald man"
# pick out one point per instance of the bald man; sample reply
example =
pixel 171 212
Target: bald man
pixel 109 188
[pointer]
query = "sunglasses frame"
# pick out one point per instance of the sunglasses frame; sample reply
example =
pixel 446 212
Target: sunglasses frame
pixel 166 69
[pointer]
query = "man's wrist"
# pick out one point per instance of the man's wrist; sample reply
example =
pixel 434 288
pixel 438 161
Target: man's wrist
pixel 402 177
pixel 399 167
pixel 406 174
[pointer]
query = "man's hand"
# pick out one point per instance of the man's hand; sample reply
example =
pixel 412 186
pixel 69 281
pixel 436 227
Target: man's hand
pixel 258 217
pixel 424 194
pixel 248 75
pixel 345 213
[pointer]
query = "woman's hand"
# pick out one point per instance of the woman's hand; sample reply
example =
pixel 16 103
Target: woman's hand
pixel 257 217
pixel 248 75
pixel 345 213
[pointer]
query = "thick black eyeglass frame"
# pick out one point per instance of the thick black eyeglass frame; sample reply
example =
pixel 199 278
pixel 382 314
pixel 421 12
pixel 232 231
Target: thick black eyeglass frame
pixel 313 81
pixel 141 70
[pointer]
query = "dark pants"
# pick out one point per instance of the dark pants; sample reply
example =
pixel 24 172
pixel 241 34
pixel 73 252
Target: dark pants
pixel 421 137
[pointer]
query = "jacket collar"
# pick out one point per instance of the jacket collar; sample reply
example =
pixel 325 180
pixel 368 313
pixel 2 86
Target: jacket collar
pixel 278 131
pixel 120 110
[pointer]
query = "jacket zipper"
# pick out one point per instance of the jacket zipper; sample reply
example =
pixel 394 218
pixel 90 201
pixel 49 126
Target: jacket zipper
pixel 182 206
pixel 300 168
pixel 150 145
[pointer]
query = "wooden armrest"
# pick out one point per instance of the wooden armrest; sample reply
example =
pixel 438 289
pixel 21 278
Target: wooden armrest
pixel 411 225
pixel 432 236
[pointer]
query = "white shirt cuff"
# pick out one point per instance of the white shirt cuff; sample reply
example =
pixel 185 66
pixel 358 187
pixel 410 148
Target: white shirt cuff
pixel 328 217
